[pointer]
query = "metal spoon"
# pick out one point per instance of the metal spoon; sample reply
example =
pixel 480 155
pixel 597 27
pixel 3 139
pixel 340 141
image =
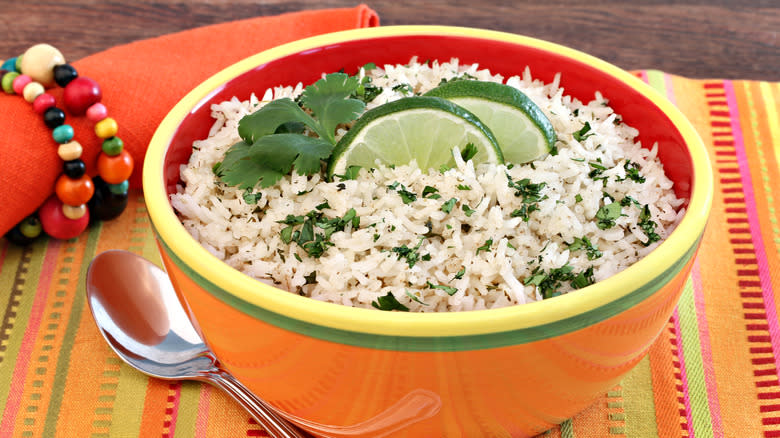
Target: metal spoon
pixel 137 311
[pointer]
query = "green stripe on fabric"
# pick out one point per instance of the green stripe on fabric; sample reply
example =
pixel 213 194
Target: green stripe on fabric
pixel 694 364
pixel 64 359
pixel 130 392
pixel 188 409
pixel 440 343
pixel 567 429
pixel 23 310
pixel 638 401
pixel 655 79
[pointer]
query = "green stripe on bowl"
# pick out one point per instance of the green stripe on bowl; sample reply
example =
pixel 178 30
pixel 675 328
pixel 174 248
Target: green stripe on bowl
pixel 438 343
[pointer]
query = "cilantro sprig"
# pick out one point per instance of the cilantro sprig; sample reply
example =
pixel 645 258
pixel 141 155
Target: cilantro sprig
pixel 270 149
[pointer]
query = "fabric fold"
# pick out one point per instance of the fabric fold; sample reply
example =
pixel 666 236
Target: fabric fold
pixel 141 82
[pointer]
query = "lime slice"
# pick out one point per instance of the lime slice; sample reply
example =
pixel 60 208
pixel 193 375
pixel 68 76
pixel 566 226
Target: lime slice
pixel 523 131
pixel 425 129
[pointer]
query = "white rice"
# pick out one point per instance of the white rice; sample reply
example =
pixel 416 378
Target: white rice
pixel 363 266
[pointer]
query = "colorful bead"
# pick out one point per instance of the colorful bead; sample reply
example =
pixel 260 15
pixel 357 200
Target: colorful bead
pixel 8 81
pixel 56 224
pixel 106 128
pixel 43 102
pixel 74 211
pixel 62 134
pixel 32 91
pixel 18 63
pixel 20 82
pixel 64 73
pixel 39 61
pixel 74 168
pixel 74 191
pixel 15 236
pixel 113 146
pixel 80 94
pixel 120 188
pixel 105 204
pixel 53 117
pixel 9 64
pixel 70 151
pixel 30 227
pixel 115 169
pixel 97 112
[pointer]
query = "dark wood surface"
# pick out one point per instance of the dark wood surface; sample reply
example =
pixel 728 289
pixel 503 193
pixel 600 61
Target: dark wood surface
pixel 733 39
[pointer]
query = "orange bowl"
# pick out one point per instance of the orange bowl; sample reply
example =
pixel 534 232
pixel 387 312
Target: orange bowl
pixel 346 372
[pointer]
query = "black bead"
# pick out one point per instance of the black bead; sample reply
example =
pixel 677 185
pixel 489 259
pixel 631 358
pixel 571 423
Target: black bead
pixel 64 73
pixel 74 168
pixel 105 204
pixel 53 117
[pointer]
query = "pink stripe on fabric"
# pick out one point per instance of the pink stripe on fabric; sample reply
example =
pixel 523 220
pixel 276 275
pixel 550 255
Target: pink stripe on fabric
pixel 755 231
pixel 683 374
pixel 25 349
pixel 202 418
pixel 174 409
pixel 706 352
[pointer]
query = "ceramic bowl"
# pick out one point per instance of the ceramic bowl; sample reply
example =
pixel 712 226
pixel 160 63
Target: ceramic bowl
pixel 346 372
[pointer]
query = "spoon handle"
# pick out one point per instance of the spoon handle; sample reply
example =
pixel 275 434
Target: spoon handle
pixel 275 425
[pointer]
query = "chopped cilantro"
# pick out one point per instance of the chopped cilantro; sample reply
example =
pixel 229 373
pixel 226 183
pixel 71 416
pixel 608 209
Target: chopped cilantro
pixel 531 194
pixel 468 210
pixel 486 246
pixel 415 298
pixel 468 152
pixel 388 303
pixel 449 205
pixel 311 278
pixel 251 198
pixel 628 200
pixel 549 283
pixel 313 234
pixel 406 196
pixel 607 215
pixel 404 89
pixel 351 173
pixel 648 226
pixel 632 172
pixel 583 133
pixel 583 279
pixel 410 254
pixel 430 192
pixel 449 290
pixel 460 273
pixel 577 198
pixel 463 187
pixel 584 243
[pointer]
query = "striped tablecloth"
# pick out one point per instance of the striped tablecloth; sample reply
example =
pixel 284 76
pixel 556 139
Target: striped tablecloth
pixel 712 373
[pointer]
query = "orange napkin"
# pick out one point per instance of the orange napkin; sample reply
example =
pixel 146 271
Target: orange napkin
pixel 141 82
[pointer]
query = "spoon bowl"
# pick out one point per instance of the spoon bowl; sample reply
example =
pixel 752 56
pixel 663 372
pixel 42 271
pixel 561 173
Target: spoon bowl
pixel 136 309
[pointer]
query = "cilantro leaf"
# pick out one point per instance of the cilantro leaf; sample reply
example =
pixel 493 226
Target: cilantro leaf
pixel 388 303
pixel 238 169
pixel 449 290
pixel 282 152
pixel 607 215
pixel 328 99
pixel 270 117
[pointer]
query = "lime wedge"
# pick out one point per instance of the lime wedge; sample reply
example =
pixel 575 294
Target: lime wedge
pixel 425 129
pixel 523 131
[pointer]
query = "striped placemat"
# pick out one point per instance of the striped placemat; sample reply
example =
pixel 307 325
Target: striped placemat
pixel 712 373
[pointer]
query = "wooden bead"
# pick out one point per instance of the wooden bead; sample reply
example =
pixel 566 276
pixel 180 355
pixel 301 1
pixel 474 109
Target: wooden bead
pixel 80 94
pixel 43 102
pixel 32 91
pixel 38 62
pixel 20 82
pixel 74 191
pixel 74 211
pixel 115 169
pixel 106 128
pixel 70 151
pixel 56 224
pixel 97 112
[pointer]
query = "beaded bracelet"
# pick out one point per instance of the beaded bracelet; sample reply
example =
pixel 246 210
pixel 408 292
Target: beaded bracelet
pixel 78 199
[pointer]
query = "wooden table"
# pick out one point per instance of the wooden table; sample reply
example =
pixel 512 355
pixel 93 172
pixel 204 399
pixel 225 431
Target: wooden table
pixel 733 39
